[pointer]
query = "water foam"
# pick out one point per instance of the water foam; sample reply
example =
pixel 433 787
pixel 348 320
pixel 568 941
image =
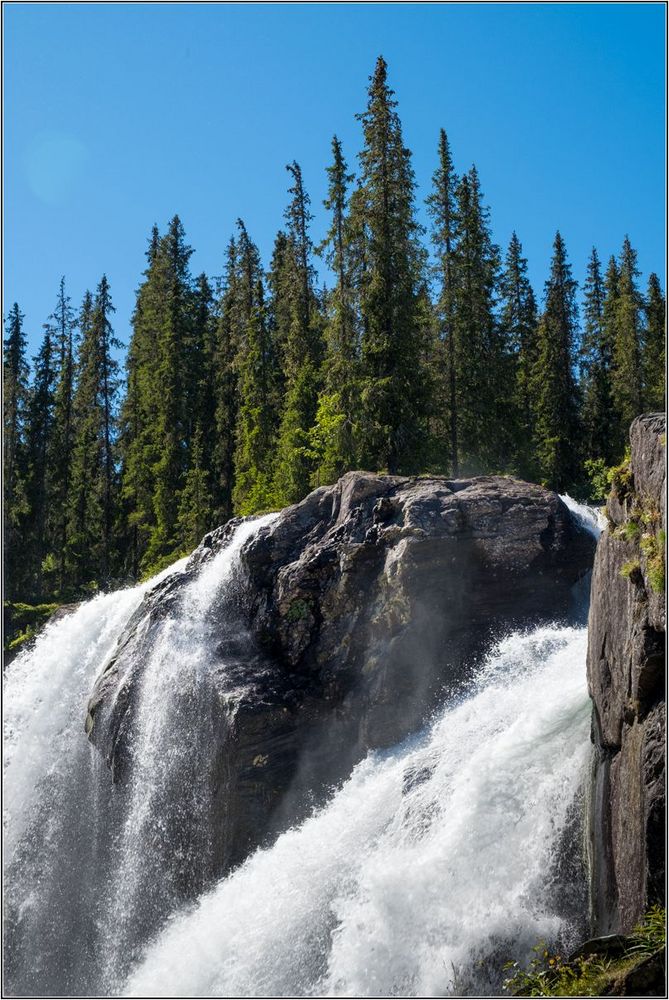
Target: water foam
pixel 429 860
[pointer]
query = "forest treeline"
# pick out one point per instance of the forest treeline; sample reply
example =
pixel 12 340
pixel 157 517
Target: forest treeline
pixel 428 352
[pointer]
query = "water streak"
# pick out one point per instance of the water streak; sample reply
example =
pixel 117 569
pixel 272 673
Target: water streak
pixel 429 860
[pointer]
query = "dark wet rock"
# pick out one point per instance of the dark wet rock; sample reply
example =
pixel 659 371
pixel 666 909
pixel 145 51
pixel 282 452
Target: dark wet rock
pixel 354 610
pixel 626 675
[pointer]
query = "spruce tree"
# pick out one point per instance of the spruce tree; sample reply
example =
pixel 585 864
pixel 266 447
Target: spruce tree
pixel 15 380
pixel 137 439
pixel 94 467
pixel 557 425
pixel 395 384
pixel 339 401
pixel 654 354
pixel 484 372
pixel 173 318
pixel 627 381
pixel 61 447
pixel 39 484
pixel 226 351
pixel 302 352
pixel 599 424
pixel 519 322
pixel 443 210
pixel 256 425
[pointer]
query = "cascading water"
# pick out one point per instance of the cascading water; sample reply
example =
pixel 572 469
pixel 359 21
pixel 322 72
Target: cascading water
pixel 429 860
pixel 92 868
pixel 429 867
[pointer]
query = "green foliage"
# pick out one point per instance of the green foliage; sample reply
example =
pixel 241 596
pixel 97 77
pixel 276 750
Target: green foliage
pixel 551 975
pixel 298 610
pixel 23 622
pixel 557 422
pixel 630 569
pixel 598 477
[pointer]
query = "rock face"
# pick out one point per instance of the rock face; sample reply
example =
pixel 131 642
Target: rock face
pixel 626 677
pixel 355 609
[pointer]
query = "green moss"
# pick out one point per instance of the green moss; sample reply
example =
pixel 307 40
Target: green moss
pixel 550 975
pixel 629 568
pixel 298 610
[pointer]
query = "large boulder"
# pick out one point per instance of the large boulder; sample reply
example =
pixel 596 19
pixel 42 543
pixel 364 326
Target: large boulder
pixel 354 611
pixel 626 676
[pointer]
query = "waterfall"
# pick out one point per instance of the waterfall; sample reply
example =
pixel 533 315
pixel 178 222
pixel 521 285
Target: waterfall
pixel 431 859
pixel 421 874
pixel 92 867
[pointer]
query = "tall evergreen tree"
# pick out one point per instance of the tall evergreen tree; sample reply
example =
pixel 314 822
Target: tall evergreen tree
pixel 654 355
pixel 15 379
pixel 173 318
pixel 557 426
pixel 395 384
pixel 61 448
pixel 226 351
pixel 38 442
pixel 94 466
pixel 628 395
pixel 339 402
pixel 137 442
pixel 598 418
pixel 484 376
pixel 519 321
pixel 302 352
pixel 443 210
pixel 256 426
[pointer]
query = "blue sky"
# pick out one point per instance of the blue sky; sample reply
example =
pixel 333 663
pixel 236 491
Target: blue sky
pixel 117 116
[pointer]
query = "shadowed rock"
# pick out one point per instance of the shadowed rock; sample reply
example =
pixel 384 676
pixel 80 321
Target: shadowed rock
pixel 626 644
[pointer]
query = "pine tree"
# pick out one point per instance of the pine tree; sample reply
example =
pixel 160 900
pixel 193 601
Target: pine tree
pixel 61 446
pixel 654 354
pixel 484 375
pixel 256 425
pixel 173 317
pixel 338 404
pixel 557 426
pixel 598 419
pixel 519 321
pixel 443 210
pixel 395 383
pixel 38 441
pixel 137 442
pixel 302 352
pixel 15 379
pixel 94 467
pixel 627 345
pixel 226 350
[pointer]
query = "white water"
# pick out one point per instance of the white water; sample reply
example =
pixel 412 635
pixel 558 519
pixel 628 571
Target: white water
pixel 427 858
pixel 430 858
pixel 45 694
pixel 590 518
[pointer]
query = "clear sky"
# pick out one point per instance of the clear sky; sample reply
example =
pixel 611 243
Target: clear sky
pixel 119 116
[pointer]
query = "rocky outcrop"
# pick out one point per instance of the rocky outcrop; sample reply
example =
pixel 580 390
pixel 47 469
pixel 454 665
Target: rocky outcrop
pixel 355 609
pixel 626 677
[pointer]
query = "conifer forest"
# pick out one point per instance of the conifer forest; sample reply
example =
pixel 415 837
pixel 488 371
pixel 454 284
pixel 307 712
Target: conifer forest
pixel 425 351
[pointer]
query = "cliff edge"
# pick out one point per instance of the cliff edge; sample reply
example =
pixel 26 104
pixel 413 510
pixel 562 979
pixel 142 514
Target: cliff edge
pixel 626 678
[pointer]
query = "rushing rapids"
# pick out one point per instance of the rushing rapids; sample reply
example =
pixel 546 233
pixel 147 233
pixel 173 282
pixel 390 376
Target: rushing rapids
pixel 432 864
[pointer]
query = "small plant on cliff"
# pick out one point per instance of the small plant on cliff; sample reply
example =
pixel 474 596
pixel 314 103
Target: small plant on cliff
pixel 630 569
pixel 298 610
pixel 551 975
